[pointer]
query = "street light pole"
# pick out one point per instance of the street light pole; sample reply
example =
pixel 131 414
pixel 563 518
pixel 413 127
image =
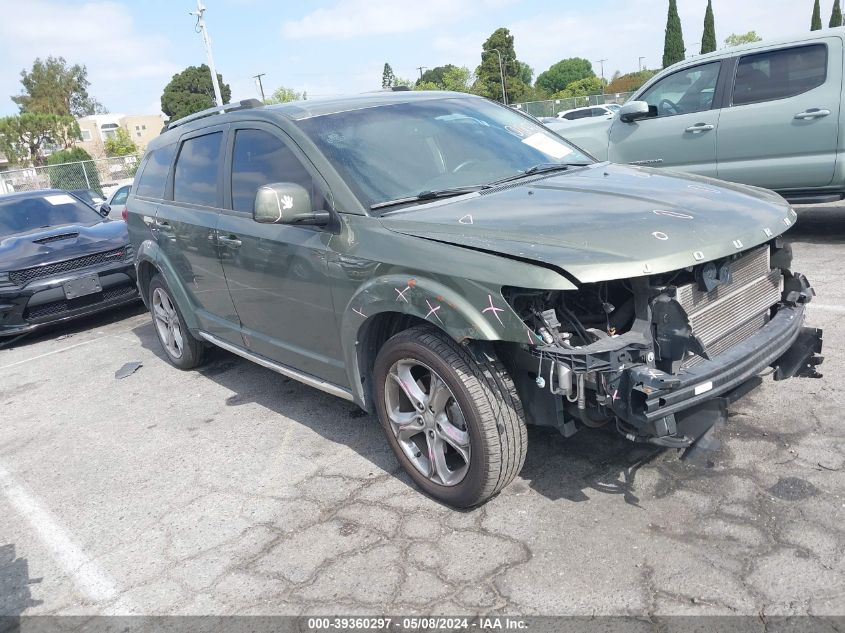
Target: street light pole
pixel 501 74
pixel 260 85
pixel 201 28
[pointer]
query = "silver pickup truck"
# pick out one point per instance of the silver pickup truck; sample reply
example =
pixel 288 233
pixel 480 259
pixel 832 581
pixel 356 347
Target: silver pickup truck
pixel 766 114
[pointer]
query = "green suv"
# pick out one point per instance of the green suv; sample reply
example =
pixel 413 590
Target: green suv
pixel 458 269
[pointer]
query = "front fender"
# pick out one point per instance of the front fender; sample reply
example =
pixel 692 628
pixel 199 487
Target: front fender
pixel 470 312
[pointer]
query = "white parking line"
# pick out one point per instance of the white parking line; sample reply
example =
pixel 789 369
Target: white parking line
pixel 826 308
pixel 88 577
pixel 55 351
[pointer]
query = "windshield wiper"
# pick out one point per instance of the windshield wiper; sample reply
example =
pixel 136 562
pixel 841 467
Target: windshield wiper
pixel 540 168
pixel 429 195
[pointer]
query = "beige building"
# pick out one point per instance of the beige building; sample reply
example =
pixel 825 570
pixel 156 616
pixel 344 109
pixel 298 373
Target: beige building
pixel 95 129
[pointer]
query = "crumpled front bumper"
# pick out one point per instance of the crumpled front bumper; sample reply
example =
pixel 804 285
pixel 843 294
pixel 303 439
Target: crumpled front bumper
pixel 647 400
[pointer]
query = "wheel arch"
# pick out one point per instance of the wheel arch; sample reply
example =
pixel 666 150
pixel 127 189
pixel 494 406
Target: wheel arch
pixel 149 262
pixel 391 304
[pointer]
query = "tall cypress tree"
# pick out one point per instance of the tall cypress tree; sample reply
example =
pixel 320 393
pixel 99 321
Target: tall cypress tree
pixel 835 15
pixel 816 22
pixel 673 44
pixel 388 79
pixel 708 38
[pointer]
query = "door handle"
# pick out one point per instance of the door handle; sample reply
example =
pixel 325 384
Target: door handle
pixel 699 127
pixel 812 113
pixel 229 240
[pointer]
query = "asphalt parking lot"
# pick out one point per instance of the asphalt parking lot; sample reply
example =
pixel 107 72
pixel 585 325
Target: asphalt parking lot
pixel 234 490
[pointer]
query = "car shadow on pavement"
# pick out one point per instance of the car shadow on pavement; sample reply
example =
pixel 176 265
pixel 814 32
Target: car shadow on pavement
pixel 68 329
pixel 592 461
pixel 15 595
pixel 819 224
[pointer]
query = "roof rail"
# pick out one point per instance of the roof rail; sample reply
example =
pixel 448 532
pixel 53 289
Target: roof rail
pixel 244 104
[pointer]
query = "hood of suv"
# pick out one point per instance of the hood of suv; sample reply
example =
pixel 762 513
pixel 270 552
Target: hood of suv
pixel 605 221
pixel 58 243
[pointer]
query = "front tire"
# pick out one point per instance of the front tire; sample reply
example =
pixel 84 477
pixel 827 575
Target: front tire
pixel 179 345
pixel 456 425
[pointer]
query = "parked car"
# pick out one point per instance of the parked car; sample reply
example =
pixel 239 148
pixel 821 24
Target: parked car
pixel 91 197
pixel 117 202
pixel 455 267
pixel 606 111
pixel 767 114
pixel 59 259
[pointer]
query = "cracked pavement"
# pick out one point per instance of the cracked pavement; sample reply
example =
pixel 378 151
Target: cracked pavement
pixel 234 490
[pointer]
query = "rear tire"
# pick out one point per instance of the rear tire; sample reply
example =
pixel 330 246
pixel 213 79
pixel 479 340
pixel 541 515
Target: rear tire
pixel 179 345
pixel 455 424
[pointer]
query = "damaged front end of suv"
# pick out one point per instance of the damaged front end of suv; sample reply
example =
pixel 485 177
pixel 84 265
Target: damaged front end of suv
pixel 662 355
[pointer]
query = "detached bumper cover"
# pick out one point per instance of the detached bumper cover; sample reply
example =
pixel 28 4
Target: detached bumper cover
pixel 653 397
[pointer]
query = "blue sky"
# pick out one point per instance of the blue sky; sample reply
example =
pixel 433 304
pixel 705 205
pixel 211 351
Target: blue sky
pixel 328 47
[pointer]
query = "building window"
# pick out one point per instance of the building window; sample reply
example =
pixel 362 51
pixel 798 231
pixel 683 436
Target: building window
pixel 108 130
pixel 137 134
pixel 86 135
pixel 143 127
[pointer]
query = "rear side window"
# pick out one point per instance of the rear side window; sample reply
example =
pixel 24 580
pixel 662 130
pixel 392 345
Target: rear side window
pixel 260 158
pixel 779 74
pixel 121 195
pixel 195 177
pixel 154 173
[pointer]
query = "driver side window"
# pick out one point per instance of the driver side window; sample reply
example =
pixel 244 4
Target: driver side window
pixel 683 92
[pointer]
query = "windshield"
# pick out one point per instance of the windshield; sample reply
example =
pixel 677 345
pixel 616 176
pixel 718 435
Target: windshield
pixel 397 151
pixel 21 215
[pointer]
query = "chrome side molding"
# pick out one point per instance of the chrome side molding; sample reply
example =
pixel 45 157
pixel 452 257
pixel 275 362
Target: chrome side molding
pixel 284 370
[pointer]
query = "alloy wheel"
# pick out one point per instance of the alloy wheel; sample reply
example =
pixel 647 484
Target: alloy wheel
pixel 427 421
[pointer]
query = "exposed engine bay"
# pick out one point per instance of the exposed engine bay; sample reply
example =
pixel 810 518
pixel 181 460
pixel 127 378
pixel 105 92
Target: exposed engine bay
pixel 644 353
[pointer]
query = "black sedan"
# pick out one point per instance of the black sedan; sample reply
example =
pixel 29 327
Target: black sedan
pixel 59 259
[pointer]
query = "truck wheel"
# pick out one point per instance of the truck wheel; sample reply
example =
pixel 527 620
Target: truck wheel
pixel 455 424
pixel 181 348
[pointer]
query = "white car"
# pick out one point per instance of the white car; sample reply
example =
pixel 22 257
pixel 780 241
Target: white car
pixel 607 110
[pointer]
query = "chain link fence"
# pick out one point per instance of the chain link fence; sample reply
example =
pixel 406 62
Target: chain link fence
pixel 102 175
pixel 551 107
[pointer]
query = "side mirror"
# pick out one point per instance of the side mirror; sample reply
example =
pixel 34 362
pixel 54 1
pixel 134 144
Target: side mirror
pixel 286 203
pixel 633 111
pixel 104 209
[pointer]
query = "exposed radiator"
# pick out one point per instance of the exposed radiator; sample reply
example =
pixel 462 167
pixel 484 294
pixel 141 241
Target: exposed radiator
pixel 732 312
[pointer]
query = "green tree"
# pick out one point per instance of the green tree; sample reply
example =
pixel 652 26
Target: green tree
pixel 53 87
pixel 121 144
pixel 23 138
pixel 673 43
pixel 835 15
pixel 580 88
pixel 283 94
pixel 192 91
pixel 458 79
pixel 816 20
pixel 434 75
pixel 735 39
pixel 388 79
pixel 73 169
pixel 630 82
pixel 563 73
pixel 708 38
pixel 488 81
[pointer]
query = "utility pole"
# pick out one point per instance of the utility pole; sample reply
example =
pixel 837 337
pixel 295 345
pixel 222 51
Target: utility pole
pixel 501 74
pixel 260 85
pixel 201 28
pixel 602 61
pixel 641 63
pixel 421 68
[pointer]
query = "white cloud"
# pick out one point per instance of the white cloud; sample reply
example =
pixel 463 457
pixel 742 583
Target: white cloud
pixel 100 35
pixel 356 18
